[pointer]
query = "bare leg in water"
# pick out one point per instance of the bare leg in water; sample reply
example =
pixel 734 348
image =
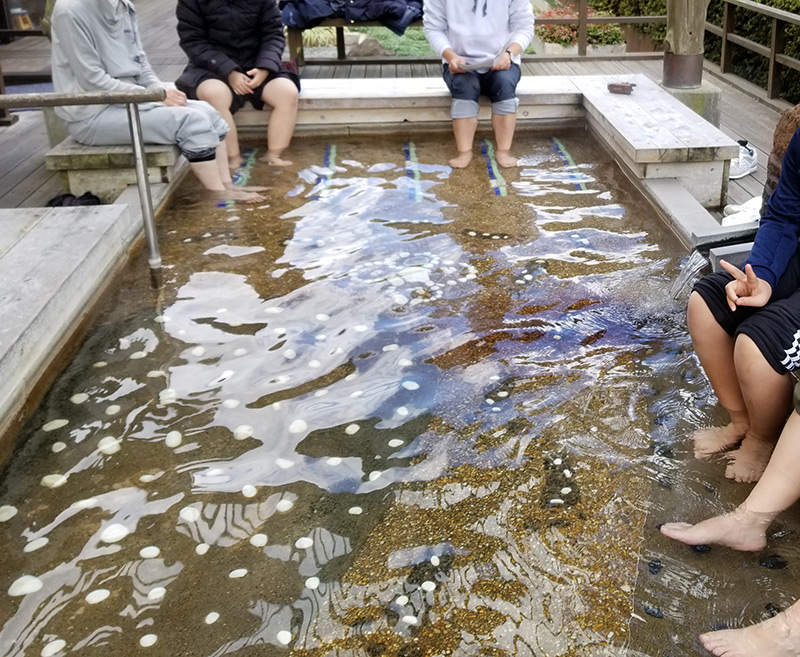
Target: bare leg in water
pixel 745 529
pixel 464 132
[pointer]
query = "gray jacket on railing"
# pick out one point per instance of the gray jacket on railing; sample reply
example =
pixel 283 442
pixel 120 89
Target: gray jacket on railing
pixel 96 47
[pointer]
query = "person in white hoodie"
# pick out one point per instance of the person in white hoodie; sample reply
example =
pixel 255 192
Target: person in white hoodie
pixel 480 42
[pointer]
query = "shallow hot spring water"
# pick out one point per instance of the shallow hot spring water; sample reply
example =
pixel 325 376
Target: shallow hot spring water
pixel 394 410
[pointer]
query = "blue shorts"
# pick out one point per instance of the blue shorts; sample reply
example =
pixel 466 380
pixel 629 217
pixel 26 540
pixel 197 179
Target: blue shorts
pixel 499 86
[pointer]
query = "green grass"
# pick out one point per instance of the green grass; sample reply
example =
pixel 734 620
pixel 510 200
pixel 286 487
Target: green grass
pixel 412 44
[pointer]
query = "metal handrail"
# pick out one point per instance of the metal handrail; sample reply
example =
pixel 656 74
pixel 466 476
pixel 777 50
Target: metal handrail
pixel 131 100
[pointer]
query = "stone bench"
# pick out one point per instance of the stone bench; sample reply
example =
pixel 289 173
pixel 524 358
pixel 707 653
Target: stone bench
pixel 106 171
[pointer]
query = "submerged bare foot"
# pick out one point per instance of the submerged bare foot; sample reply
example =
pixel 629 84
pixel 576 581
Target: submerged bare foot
pixel 710 441
pixel 462 160
pixel 238 195
pixel 506 159
pixel 275 159
pixel 775 637
pixel 740 530
pixel 748 463
pixel 246 188
pixel 234 162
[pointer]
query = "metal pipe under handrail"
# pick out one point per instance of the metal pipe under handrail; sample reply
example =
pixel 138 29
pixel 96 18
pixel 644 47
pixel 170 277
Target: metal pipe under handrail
pixel 130 99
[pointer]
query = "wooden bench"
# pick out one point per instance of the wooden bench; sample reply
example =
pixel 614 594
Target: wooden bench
pixel 295 36
pixel 107 170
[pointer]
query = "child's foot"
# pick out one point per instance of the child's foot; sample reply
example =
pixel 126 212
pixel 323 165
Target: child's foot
pixel 710 441
pixel 748 463
pixel 775 637
pixel 462 160
pixel 275 160
pixel 234 162
pixel 238 196
pixel 245 188
pixel 506 159
pixel 740 530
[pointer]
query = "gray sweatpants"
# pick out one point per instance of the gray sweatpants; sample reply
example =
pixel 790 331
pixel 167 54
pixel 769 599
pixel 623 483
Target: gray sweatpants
pixel 196 128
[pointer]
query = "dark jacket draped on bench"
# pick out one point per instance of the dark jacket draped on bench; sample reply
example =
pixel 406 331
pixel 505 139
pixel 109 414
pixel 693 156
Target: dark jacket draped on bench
pixel 397 15
pixel 223 36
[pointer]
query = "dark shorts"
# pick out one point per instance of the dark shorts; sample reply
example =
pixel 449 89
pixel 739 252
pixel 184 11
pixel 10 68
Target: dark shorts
pixel 189 84
pixel 775 328
pixel 497 85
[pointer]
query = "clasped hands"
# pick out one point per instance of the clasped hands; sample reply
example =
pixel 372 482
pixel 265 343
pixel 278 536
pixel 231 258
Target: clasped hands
pixel 243 84
pixel 746 289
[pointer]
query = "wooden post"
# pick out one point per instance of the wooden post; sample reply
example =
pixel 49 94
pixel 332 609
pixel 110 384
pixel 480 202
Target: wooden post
pixel 6 117
pixel 683 45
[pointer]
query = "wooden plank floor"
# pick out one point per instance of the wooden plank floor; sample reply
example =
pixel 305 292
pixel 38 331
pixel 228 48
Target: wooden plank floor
pixel 25 183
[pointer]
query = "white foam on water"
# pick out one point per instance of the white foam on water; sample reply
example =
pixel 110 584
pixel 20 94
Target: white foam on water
pixel 97 596
pixel 156 593
pixel 54 480
pixel 79 398
pixel 238 573
pixel 149 552
pixel 211 618
pixel 7 512
pixel 304 543
pixel 258 540
pixel 114 532
pixel 202 548
pixel 284 505
pixel 113 409
pixel 284 637
pixel 148 640
pixel 189 514
pixel 109 445
pixel 52 425
pixel 355 510
pixel 395 442
pixel 248 490
pixel 173 439
pixel 351 429
pixel 53 648
pixel 58 446
pixel 25 585
pixel 242 432
pixel 298 426
pixel 36 544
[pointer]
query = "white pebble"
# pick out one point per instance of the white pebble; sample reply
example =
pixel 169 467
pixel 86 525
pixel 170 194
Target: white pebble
pixel 54 480
pixel 334 460
pixel 7 512
pixel 96 596
pixel 211 618
pixel 355 511
pixel 109 445
pixel 79 398
pixel 258 540
pixel 395 442
pixel 86 503
pixel 168 396
pixel 557 461
pixel 198 351
pixel 231 403
pixel 312 583
pixel 36 544
pixel 284 464
pixel 402 410
pixel 502 393
pixel 567 473
pixel 124 343
pixel 173 439
pixel 489 401
pixel 402 600
pixel 242 432
pixel 405 362
pixel 149 552
pixel 114 532
pixel 410 385
pixel 391 347
pixel 147 478
pixel 202 548
pixel 322 317
pixel 352 429
pixel 284 637
pixel 156 593
pixel 113 409
pixel 556 501
pixel 189 514
pixel 138 355
pixel 289 354
pixel 148 640
pixel 58 446
pixel 428 586
pixel 273 310
pixel 356 394
pixel 238 573
pixel 314 364
pixel 241 351
pixel 566 490
pixel 249 490
pixel 361 328
pixel 320 337
pixel 53 648
pixel 24 585
pixel 55 424
pixel 303 543
pixel 434 560
pixel 375 474
pixel 409 620
pixel 155 374
pixel 284 505
pixel 298 426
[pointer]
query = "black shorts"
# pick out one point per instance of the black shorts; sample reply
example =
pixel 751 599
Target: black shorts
pixel 192 79
pixel 775 328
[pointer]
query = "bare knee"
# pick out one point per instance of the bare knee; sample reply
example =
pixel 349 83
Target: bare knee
pixel 216 93
pixel 700 319
pixel 280 93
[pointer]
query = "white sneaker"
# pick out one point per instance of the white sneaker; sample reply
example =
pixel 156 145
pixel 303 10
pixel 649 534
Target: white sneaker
pixel 745 164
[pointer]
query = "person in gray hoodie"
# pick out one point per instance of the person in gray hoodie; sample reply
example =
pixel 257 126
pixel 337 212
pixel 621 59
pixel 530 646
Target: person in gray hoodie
pixel 480 46
pixel 96 47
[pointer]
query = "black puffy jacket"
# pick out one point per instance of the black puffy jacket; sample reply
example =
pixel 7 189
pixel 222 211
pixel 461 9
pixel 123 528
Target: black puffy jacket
pixel 222 36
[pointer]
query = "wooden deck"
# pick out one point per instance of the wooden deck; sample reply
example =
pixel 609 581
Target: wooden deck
pixel 24 181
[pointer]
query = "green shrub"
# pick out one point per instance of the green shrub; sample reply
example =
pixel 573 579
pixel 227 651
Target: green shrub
pixel 654 31
pixel 567 35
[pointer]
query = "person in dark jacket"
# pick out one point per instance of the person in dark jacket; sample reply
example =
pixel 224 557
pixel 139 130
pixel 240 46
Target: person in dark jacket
pixel 235 49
